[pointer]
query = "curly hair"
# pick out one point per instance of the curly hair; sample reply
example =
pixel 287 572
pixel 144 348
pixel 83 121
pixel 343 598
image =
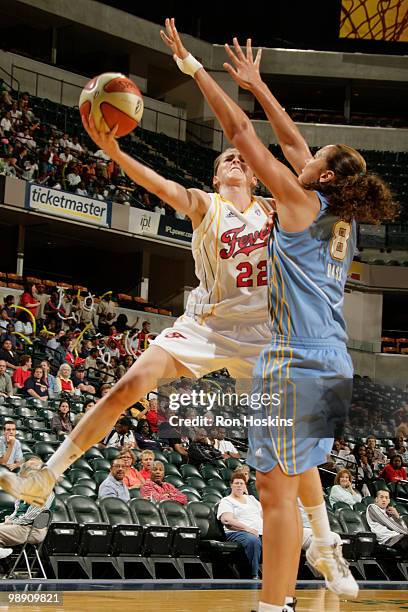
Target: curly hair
pixel 355 193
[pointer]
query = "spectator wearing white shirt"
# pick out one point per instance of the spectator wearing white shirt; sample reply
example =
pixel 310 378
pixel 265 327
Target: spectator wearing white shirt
pixel 66 156
pixel 6 123
pixel 224 446
pixel 343 491
pixel 121 435
pixel 65 142
pixel 241 516
pixel 80 190
pixel 386 523
pixel 75 145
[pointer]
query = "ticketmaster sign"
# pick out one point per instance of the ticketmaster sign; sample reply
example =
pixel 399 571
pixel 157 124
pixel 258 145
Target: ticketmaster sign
pixel 68 205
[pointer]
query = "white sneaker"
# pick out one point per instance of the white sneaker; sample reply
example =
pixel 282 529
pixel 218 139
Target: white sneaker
pixel 5 552
pixel 33 488
pixel 329 561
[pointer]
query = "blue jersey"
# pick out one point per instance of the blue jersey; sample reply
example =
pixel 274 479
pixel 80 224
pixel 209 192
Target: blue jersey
pixel 307 274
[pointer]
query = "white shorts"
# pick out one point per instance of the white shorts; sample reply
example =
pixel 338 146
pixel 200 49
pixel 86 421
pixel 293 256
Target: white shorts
pixel 203 348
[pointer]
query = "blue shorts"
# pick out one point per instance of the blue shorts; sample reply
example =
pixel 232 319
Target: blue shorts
pixel 307 386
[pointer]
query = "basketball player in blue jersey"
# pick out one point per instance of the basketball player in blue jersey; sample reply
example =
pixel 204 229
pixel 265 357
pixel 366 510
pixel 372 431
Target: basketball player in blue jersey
pixel 310 250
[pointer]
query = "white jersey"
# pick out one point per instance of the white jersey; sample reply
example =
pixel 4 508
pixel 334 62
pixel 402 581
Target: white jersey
pixel 230 254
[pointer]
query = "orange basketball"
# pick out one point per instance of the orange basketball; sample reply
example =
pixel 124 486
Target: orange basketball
pixel 112 99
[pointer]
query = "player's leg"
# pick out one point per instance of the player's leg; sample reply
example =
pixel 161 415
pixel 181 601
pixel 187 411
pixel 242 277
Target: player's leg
pixel 281 539
pixel 325 552
pixel 290 599
pixel 154 365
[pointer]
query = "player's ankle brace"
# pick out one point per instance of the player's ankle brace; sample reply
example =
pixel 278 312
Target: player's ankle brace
pixel 189 65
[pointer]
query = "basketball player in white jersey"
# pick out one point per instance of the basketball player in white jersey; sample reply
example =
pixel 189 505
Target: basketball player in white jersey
pixel 225 323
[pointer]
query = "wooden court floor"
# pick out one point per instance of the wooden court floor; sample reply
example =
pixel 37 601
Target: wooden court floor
pixel 214 601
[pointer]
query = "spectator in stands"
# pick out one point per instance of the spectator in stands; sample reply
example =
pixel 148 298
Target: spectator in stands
pixel 378 456
pixel 144 437
pixel 51 309
pixel 133 478
pixel 6 386
pixel 386 523
pixel 9 308
pixel 92 362
pixel 61 421
pixel 88 405
pixel 153 417
pixel 4 321
pixel 63 382
pixel 391 452
pixel 394 471
pixel 343 491
pixel 6 124
pixel 18 525
pixel 241 516
pixel 81 383
pixel 63 353
pixel 156 489
pixel 245 471
pixel 27 299
pixel 121 436
pixel 401 448
pixel 106 314
pixel 48 378
pixel 8 354
pixel 143 337
pixel 35 386
pixel 113 485
pixel 11 454
pixel 42 298
pixel 200 451
pixel 23 324
pixel 23 372
pixel 9 334
pixel 146 459
pixel 224 446
pixel 104 389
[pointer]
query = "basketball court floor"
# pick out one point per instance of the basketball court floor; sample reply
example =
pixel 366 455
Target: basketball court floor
pixel 186 596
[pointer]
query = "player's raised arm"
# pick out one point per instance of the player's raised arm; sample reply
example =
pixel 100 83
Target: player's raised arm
pixel 192 202
pixel 297 207
pixel 245 72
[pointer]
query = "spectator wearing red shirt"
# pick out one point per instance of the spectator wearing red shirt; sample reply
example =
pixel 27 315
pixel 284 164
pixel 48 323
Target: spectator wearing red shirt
pixel 147 460
pixel 28 300
pixel 133 478
pixel 157 490
pixel 143 337
pixel 394 471
pixel 21 374
pixel 153 416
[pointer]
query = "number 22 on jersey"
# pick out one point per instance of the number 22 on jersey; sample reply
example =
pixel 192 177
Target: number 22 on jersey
pixel 248 277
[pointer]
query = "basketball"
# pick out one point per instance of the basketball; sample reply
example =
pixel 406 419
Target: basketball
pixel 112 99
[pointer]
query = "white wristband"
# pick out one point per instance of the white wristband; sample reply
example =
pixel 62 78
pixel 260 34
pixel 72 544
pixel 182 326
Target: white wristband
pixel 189 65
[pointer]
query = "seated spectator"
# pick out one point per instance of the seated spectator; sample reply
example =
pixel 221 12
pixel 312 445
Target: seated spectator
pixel 8 354
pixel 113 485
pixel 9 308
pixel 153 416
pixel 133 478
pixel 63 354
pixel 104 389
pixel 6 386
pixel 9 335
pixel 386 523
pixel 23 324
pixel 35 386
pixel 200 451
pixel 81 383
pixel 343 491
pixel 4 321
pixel 401 448
pixel 61 421
pixel 146 459
pixel 144 437
pixel 121 436
pixel 11 454
pixel 241 516
pixel 224 446
pixel 92 362
pixel 23 372
pixel 88 405
pixel 394 471
pixel 156 489
pixel 48 378
pixel 17 526
pixel 245 471
pixel 63 382
pixel 378 456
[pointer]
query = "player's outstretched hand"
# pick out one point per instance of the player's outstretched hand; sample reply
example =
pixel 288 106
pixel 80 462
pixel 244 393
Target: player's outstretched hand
pixel 105 140
pixel 172 39
pixel 245 70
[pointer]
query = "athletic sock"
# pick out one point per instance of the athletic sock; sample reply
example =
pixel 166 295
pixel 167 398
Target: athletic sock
pixel 319 523
pixel 63 457
pixel 289 601
pixel 264 607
